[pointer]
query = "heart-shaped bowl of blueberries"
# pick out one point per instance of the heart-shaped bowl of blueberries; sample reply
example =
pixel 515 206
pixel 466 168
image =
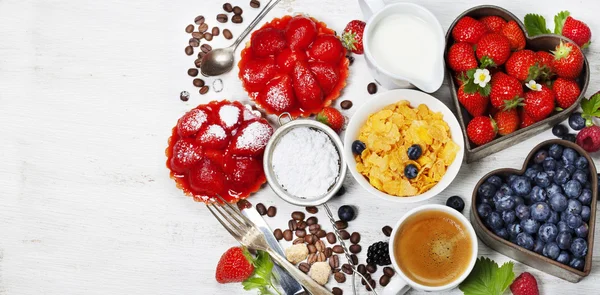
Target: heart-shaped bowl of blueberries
pixel 544 214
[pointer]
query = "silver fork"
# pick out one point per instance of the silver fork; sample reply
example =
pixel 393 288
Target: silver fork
pixel 245 232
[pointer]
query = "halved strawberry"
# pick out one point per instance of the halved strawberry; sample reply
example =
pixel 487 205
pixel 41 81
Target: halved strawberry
pixel 327 48
pixel 257 72
pixel 494 23
pixel 242 172
pixel 191 122
pixel 300 32
pixel 229 116
pixel 185 154
pixel 213 137
pixel 207 178
pixel 327 75
pixel 287 59
pixel 251 138
pixel 278 95
pixel 307 89
pixel 267 41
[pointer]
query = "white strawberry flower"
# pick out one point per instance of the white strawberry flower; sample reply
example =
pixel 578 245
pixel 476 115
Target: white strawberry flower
pixel 482 77
pixel 534 85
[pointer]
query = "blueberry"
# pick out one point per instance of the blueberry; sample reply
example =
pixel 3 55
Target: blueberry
pixel 553 217
pixel 569 167
pixel 346 213
pixel 540 211
pixel 411 171
pixel 580 176
pixel 486 190
pixel 576 121
pixel 572 188
pixel 494 220
pixel 549 164
pixel 505 189
pixel 522 211
pixel 508 217
pixel 561 176
pixel 577 263
pixel 585 197
pixel 564 257
pixel 456 203
pixel 510 178
pixel 414 152
pixel 551 250
pixel 540 156
pixel 579 248
pixel 494 180
pixel 514 229
pixel 358 147
pixel 585 213
pixel 559 130
pixel 484 210
pixel 574 206
pixel 531 172
pixel 547 232
pixel 521 185
pixel 558 202
pixel 538 246
pixel 551 174
pixel 538 194
pixel 486 201
pixel 564 239
pixel 574 221
pixel 582 230
pixel 553 189
pixel 555 151
pixel 502 232
pixel 519 200
pixel 530 226
pixel 570 137
pixel 525 240
pixel 563 227
pixel 581 163
pixel 569 156
pixel 542 179
pixel 505 203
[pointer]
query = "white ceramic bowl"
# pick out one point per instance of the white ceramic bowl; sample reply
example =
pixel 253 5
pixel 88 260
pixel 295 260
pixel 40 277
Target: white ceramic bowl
pixel 378 102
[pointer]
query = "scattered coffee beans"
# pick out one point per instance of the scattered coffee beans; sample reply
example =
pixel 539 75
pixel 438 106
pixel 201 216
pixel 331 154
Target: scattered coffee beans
pixel 339 277
pixel 205 48
pixel 197 36
pixel 347 268
pixel 321 257
pixel 321 234
pixel 304 267
pixel 300 233
pixel 297 215
pixel 331 238
pixel 344 234
pixel 312 220
pixel 384 280
pixel 208 36
pixel 193 72
pixel 227 7
pixel 355 238
pixel 292 225
pixel 338 249
pixel 328 252
pixel 312 249
pixel 202 28
pixel 334 261
pixel 340 224
pixel 198 82
pixel 260 207
pixel 387 230
pixel 199 20
pixel 337 291
pixel 278 234
pixel 312 258
pixel 388 271
pixel 204 90
pixel 194 42
pixel 371 285
pixel 312 209
pixel 222 18
pixel 371 268
pixel 227 34
pixel 254 3
pixel 298 241
pixel 355 249
pixel 320 246
pixel 272 211
pixel 189 28
pixel 287 235
pixel 215 31
pixel 362 269
pixel 301 224
pixel 346 104
pixel 372 88
pixel 237 10
pixel 184 95
pixel 189 50
pixel 237 19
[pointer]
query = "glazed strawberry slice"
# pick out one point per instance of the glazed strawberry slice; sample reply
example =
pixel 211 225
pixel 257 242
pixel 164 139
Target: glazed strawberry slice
pixel 278 95
pixel 327 48
pixel 229 116
pixel 251 138
pixel 326 74
pixel 185 154
pixel 300 32
pixel 256 73
pixel 267 42
pixel 287 59
pixel 213 137
pixel 242 172
pixel 207 178
pixel 190 123
pixel 307 89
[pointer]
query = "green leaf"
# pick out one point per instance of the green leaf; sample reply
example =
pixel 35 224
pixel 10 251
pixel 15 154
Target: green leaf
pixel 485 91
pixel 264 265
pixel 591 107
pixel 559 21
pixel 487 278
pixel 535 25
pixel 254 283
pixel 486 61
pixel 262 278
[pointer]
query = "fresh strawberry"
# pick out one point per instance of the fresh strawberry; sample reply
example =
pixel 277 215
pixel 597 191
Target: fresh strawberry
pixel 546 60
pixel 307 89
pixel 539 104
pixel 251 138
pixel 185 154
pixel 332 118
pixel 567 92
pixel 589 138
pixel 278 95
pixel 568 60
pixel 352 38
pixel 460 78
pixel 524 284
pixel 482 130
pixel 234 266
pixel 468 29
pixel 493 50
pixel 507 121
pixel 526 121
pixel 287 59
pixel 257 72
pixel 494 23
pixel 268 41
pixel 525 66
pixel 207 178
pixel 515 35
pixel 461 57
pixel 212 137
pixel 191 122
pixel 326 74
pixel 475 103
pixel 507 91
pixel 577 31
pixel 242 171
pixel 327 48
pixel 300 32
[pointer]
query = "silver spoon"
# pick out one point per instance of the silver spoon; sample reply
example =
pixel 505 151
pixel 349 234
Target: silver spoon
pixel 220 61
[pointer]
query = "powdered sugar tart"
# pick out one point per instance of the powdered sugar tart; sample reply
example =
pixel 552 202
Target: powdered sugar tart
pixel 217 148
pixel 295 65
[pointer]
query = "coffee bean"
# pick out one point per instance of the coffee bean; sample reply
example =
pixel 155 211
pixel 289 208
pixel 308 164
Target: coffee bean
pixel 310 239
pixel 321 234
pixel 304 267
pixel 278 234
pixel 384 280
pixel 364 282
pixel 227 7
pixel 189 50
pixel 344 234
pixel 204 90
pixel 201 54
pixel 312 220
pixel 372 88
pixel 197 36
pixel 297 215
pixel 340 224
pixel 292 225
pixel 337 291
pixel 314 228
pixel 354 249
pixel 362 269
pixel 371 285
pixel 215 31
pixel 387 230
pixel 237 10
pixel 320 246
pixel 312 249
pixel 300 233
pixel 388 271
pixel 222 18
pixel 312 209
pixel 346 104
pixel 328 252
pixel 272 211
pixel 199 20
pixel 227 34
pixel 355 238
pixel 237 19
pixel 302 224
pixel 350 59
pixel 260 207
pixel 371 268
pixel 198 62
pixel 321 257
pixel 298 241
pixel 198 82
pixel 208 36
pixel 194 42
pixel 287 235
pixel 347 268
pixel 354 259
pixel 193 72
pixel 202 28
pixel 334 261
pixel 341 191
pixel 189 28
pixel 312 258
pixel 205 48
pixel 184 95
pixel 331 238
pixel 338 249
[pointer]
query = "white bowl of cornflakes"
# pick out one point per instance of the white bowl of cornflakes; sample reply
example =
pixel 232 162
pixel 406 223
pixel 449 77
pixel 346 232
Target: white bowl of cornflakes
pixel 388 124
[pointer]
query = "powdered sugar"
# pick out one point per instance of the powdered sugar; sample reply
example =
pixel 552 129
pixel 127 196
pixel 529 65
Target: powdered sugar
pixel 213 132
pixel 306 163
pixel 229 115
pixel 191 122
pixel 276 97
pixel 254 137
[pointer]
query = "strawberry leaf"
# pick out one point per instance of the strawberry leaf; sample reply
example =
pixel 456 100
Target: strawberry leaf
pixel 559 21
pixel 485 91
pixel 535 25
pixel 591 107
pixel 487 278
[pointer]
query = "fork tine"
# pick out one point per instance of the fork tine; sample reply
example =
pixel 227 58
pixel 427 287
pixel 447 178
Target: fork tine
pixel 236 214
pixel 241 228
pixel 235 234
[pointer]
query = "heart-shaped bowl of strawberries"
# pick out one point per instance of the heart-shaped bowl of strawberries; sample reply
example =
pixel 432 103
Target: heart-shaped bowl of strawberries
pixel 544 214
pixel 507 86
pixel 295 65
pixel 217 149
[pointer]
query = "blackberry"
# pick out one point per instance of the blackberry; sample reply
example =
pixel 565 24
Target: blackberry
pixel 378 254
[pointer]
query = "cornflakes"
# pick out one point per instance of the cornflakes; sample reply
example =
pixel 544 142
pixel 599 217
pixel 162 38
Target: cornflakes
pixel 389 133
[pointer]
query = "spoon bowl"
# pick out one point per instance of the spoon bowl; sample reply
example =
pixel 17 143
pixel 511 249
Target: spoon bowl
pixel 217 62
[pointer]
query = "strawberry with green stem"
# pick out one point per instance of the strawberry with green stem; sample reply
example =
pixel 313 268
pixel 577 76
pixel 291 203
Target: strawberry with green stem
pixel 482 130
pixel 525 65
pixel 539 103
pixel 332 118
pixel 493 50
pixel 573 29
pixel 568 60
pixel 506 91
pixel 352 38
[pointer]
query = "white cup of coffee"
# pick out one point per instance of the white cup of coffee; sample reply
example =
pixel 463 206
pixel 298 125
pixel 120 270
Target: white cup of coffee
pixel 433 248
pixel 403 45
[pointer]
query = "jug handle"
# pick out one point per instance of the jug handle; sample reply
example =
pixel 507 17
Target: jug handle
pixel 370 7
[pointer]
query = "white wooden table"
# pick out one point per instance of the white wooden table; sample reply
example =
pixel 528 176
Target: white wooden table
pixel 89 92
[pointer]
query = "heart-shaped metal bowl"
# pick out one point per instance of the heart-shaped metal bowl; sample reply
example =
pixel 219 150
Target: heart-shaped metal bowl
pixel 541 42
pixel 528 257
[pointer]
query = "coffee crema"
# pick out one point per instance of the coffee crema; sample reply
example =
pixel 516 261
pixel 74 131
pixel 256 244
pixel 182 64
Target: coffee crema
pixel 433 248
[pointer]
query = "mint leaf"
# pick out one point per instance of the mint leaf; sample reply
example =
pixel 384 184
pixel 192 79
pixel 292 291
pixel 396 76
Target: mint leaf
pixel 263 265
pixel 559 21
pixel 262 278
pixel 487 278
pixel 254 283
pixel 535 25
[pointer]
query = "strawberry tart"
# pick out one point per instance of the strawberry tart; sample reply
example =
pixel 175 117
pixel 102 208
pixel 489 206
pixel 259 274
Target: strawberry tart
pixel 295 65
